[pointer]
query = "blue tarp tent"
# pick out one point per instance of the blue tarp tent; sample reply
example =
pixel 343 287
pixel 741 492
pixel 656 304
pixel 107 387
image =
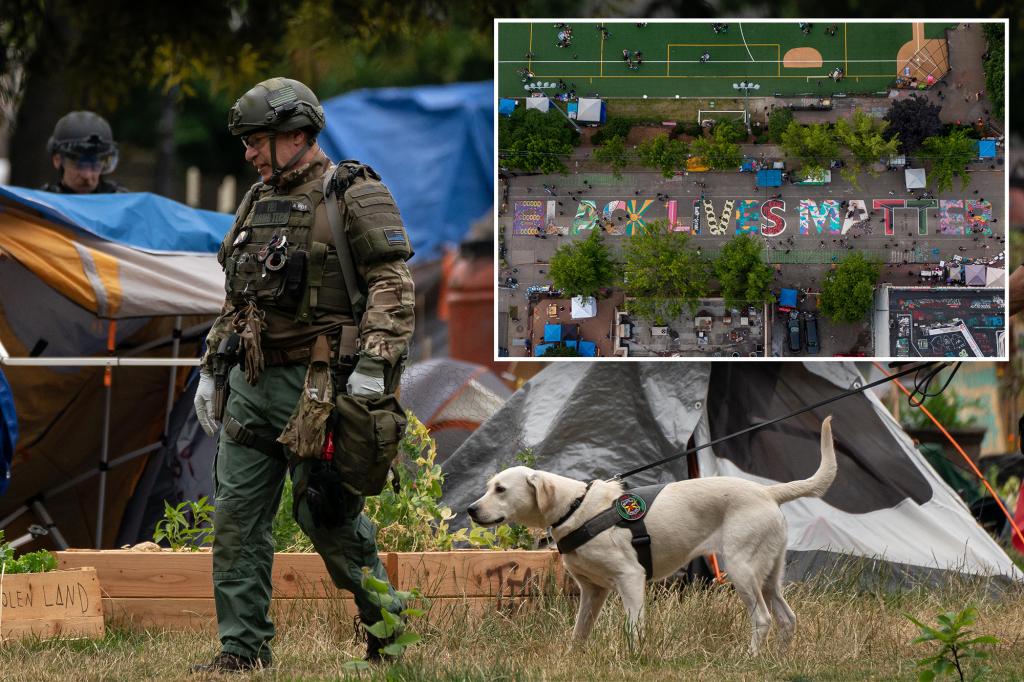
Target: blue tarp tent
pixel 787 299
pixel 769 178
pixel 139 219
pixel 748 166
pixel 552 333
pixel 8 432
pixel 540 348
pixel 506 106
pixel 587 349
pixel 432 145
pixel 986 149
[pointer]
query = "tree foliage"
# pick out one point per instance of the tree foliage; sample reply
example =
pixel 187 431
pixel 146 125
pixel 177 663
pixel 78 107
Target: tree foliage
pixel 583 267
pixel 814 145
pixel 614 153
pixel 530 140
pixel 913 120
pixel 742 274
pixel 865 137
pixel 664 154
pixel 662 274
pixel 560 352
pixel 720 151
pixel 848 292
pixel 614 126
pixel 950 155
pixel 994 74
pixel 778 122
pixel 730 130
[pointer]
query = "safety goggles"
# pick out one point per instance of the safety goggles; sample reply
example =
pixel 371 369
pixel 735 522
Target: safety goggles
pixel 89 155
pixel 255 141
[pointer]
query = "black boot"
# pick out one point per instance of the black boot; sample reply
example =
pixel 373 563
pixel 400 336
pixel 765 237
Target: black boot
pixel 373 648
pixel 229 663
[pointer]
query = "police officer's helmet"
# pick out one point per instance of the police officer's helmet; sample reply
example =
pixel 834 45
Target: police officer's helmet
pixel 279 104
pixel 85 138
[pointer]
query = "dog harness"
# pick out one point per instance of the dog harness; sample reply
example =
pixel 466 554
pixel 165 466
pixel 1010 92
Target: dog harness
pixel 628 511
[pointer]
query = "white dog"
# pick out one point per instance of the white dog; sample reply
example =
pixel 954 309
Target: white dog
pixel 738 519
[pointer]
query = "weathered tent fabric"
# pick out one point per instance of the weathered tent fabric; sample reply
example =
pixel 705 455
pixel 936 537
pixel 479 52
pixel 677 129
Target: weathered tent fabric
pixel 541 104
pixel 64 282
pixel 593 420
pixel 432 145
pixel 915 178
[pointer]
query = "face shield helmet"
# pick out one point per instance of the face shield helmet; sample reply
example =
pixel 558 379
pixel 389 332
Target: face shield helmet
pixel 84 139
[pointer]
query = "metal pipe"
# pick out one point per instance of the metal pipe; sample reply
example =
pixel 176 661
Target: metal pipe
pixel 100 362
pixel 44 516
pixel 175 347
pixel 108 382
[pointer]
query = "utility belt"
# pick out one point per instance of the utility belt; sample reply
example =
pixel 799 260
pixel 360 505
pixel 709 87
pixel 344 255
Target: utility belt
pixel 344 349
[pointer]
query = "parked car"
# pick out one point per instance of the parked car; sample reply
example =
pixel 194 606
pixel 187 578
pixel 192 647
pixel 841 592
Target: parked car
pixel 812 335
pixel 795 342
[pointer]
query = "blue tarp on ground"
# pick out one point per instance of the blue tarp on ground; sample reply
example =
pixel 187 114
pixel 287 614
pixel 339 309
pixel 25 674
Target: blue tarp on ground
pixel 8 432
pixel 506 106
pixel 139 219
pixel 769 178
pixel 986 149
pixel 552 333
pixel 787 299
pixel 432 145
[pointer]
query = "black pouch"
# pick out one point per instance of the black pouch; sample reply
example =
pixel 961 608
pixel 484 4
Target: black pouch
pixel 366 437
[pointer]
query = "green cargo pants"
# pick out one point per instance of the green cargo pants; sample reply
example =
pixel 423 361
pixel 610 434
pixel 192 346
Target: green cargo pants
pixel 248 486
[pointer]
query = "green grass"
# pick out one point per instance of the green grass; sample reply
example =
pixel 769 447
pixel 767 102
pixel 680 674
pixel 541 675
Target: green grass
pixel 866 51
pixel 692 633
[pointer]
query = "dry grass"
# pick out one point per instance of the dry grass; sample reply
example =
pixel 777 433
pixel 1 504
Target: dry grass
pixel 692 633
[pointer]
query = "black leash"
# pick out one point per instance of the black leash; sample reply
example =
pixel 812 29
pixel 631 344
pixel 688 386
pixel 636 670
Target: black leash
pixel 917 367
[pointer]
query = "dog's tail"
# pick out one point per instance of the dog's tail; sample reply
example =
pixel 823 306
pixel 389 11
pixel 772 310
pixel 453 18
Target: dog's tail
pixel 816 485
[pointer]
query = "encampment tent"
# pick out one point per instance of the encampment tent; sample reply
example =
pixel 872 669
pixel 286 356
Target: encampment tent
pixel 887 506
pixel 443 178
pixel 507 105
pixel 85 277
pixel 541 104
pixel 986 149
pixel 583 307
pixel 590 111
pixel 915 178
pixel 769 178
pixel 974 275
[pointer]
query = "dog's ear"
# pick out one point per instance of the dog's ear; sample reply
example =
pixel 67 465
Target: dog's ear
pixel 544 491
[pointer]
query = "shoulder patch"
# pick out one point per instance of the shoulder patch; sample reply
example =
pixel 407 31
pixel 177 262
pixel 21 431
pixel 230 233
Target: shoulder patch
pixel 631 507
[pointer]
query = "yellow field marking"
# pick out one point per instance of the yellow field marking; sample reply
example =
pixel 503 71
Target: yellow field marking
pixel 778 59
pixel 529 62
pixel 846 59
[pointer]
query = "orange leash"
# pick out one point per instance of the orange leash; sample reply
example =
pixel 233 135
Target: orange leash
pixel 974 468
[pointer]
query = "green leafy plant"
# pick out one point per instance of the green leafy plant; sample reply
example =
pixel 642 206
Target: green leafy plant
pixel 391 628
pixel 948 407
pixel 956 645
pixel 187 525
pixel 30 562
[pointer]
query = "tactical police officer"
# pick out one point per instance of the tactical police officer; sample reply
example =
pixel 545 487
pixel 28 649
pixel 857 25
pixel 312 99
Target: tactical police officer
pixel 83 150
pixel 300 308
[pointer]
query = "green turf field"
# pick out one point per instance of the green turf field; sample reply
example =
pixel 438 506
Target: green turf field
pixel 867 52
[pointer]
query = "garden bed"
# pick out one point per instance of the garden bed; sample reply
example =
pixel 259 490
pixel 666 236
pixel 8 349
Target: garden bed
pixel 63 604
pixel 174 590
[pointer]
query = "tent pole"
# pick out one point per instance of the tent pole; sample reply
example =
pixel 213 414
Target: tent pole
pixel 104 450
pixel 175 347
pixel 44 516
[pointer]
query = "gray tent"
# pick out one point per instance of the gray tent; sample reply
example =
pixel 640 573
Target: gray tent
pixel 887 505
pixel 915 178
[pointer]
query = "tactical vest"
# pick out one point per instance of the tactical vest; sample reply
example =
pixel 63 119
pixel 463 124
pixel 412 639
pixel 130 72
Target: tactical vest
pixel 270 256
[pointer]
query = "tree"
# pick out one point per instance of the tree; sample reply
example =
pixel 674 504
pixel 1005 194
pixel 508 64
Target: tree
pixel 950 155
pixel 993 63
pixel 720 151
pixel 534 141
pixel 812 144
pixel 662 274
pixel 660 152
pixel 613 152
pixel 865 137
pixel 913 120
pixel 742 274
pixel 778 122
pixel 848 292
pixel 730 130
pixel 560 352
pixel 583 267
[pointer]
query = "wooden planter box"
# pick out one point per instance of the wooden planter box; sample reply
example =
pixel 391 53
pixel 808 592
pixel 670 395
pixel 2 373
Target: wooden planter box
pixel 58 603
pixel 174 590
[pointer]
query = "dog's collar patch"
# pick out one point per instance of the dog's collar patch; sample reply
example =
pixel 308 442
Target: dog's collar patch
pixel 631 507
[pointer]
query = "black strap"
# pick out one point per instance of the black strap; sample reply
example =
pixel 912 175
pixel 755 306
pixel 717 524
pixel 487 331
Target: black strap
pixel 341 245
pixel 246 437
pixel 610 517
pixel 572 507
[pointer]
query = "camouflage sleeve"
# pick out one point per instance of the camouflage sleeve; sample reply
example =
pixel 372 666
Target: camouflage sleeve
pixel 387 325
pixel 220 330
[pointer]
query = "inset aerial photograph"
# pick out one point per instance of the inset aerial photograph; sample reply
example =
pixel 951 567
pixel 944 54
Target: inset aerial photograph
pixel 751 189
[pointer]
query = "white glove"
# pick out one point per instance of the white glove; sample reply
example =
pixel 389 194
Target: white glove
pixel 367 379
pixel 204 403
